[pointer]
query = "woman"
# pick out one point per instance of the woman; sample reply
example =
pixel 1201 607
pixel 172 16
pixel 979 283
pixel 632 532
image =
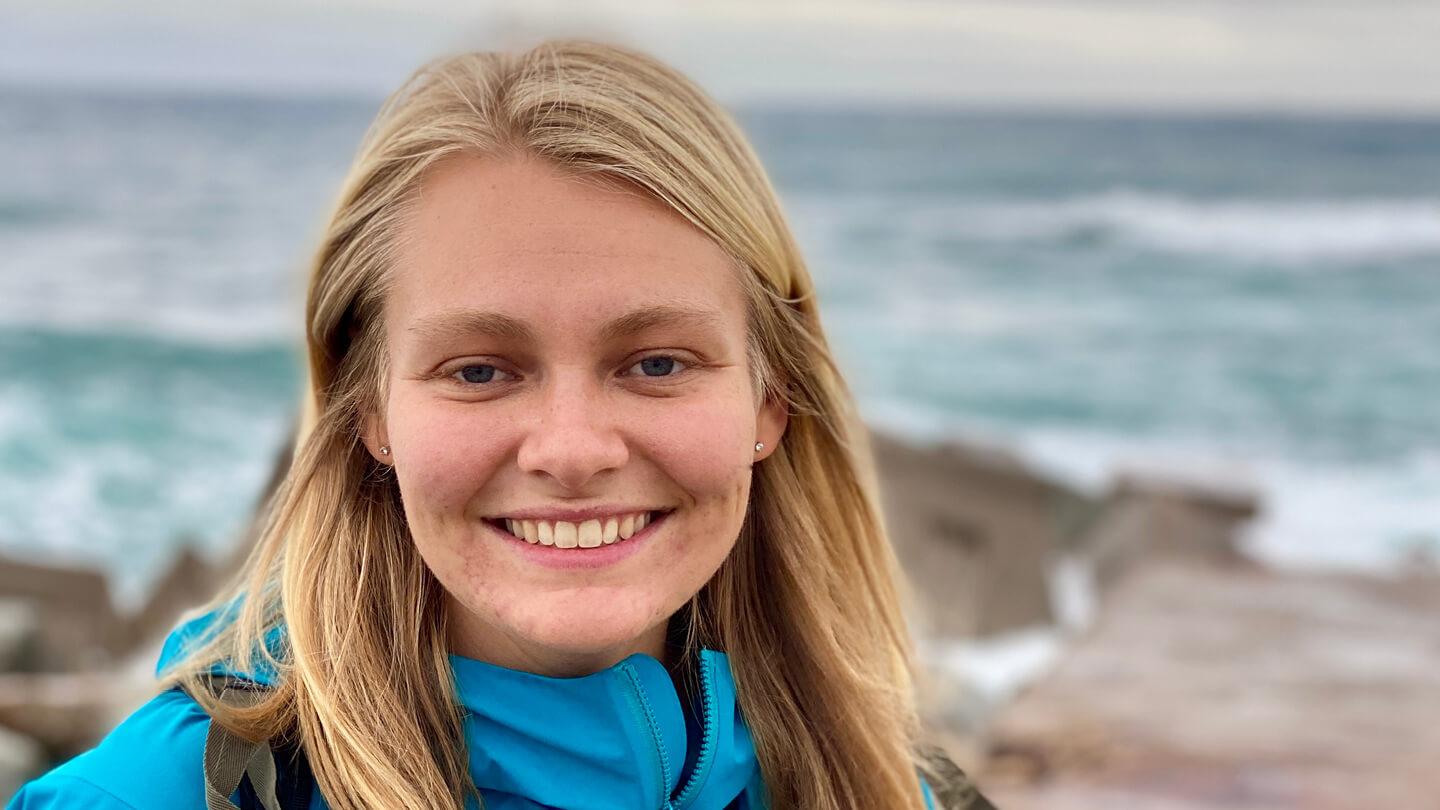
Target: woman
pixel 580 514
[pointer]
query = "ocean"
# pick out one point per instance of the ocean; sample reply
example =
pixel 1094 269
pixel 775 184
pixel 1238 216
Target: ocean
pixel 1249 300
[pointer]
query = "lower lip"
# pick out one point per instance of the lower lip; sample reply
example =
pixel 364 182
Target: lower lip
pixel 571 558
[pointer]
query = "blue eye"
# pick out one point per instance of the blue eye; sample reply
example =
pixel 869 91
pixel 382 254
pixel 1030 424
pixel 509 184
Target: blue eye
pixel 477 374
pixel 659 365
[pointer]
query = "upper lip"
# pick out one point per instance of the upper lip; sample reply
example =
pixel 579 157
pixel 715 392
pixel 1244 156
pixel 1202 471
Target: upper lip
pixel 574 515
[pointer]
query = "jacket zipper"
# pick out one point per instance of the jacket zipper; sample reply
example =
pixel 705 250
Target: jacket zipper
pixel 709 730
pixel 641 706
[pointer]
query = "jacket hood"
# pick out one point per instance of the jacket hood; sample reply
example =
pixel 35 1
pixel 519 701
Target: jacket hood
pixel 194 633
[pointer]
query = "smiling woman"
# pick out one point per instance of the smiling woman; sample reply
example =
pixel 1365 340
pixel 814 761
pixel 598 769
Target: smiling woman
pixel 607 381
pixel 580 514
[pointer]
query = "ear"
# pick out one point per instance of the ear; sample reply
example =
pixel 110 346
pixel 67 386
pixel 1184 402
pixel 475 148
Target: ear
pixel 374 436
pixel 770 423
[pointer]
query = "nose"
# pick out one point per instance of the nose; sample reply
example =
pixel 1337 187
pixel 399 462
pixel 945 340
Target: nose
pixel 573 438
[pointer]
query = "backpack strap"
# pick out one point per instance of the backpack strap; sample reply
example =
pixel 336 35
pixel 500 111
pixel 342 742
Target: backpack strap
pixel 234 763
pixel 954 790
pixel 229 758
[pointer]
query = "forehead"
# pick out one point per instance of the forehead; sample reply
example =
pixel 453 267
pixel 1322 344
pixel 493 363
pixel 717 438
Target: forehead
pixel 519 237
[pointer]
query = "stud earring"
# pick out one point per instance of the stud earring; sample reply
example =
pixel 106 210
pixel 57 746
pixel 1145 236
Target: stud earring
pixel 759 446
pixel 384 449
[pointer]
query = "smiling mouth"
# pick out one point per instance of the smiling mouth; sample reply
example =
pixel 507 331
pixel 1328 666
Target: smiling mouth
pixel 583 534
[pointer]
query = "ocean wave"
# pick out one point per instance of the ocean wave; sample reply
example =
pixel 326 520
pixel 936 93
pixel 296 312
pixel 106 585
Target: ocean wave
pixel 110 278
pixel 1281 231
pixel 126 503
pixel 250 328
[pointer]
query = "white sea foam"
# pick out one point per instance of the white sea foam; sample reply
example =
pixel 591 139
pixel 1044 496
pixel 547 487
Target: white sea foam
pixel 996 668
pixel 1285 231
pixel 1352 517
pixel 1299 231
pixel 103 278
pixel 238 326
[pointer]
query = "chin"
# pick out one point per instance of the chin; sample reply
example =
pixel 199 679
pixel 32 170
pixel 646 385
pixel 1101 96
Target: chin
pixel 587 630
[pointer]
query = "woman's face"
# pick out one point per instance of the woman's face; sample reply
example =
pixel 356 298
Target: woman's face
pixel 574 356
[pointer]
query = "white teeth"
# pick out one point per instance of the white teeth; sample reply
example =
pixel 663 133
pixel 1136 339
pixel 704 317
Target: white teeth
pixel 589 534
pixel 567 535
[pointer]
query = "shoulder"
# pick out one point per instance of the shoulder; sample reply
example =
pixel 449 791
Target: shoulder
pixel 153 759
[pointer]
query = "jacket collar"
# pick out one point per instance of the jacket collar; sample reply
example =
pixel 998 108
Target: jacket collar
pixel 616 737
pixel 612 739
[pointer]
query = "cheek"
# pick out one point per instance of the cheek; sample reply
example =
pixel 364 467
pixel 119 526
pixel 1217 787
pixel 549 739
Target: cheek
pixel 706 451
pixel 445 456
pixel 706 448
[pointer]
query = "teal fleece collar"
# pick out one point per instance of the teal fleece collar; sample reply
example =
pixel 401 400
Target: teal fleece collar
pixel 617 737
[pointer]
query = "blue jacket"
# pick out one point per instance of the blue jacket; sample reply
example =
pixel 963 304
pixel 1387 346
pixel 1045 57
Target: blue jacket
pixel 622 738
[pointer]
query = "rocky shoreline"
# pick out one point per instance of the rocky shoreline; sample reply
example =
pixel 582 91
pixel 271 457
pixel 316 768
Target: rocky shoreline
pixel 1144 661
pixel 1079 651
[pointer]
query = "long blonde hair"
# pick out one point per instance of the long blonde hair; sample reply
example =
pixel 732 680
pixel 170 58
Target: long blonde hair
pixel 806 605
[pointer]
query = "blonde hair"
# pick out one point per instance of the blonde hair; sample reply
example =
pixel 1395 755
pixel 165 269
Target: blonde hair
pixel 806 605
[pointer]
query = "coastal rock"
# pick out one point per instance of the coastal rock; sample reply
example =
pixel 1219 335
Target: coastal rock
pixel 1154 516
pixel 188 582
pixel 60 619
pixel 1203 687
pixel 21 758
pixel 67 713
pixel 975 531
pixel 19 635
pixel 78 626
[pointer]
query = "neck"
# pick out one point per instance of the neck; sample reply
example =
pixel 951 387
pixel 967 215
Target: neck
pixel 472 638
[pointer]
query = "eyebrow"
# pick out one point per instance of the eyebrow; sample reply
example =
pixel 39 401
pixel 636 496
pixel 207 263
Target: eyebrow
pixel 499 325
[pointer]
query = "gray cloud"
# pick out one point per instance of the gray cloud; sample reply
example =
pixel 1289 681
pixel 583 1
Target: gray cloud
pixel 1328 56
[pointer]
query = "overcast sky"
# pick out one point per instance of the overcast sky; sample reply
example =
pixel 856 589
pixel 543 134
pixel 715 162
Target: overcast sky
pixel 1353 56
